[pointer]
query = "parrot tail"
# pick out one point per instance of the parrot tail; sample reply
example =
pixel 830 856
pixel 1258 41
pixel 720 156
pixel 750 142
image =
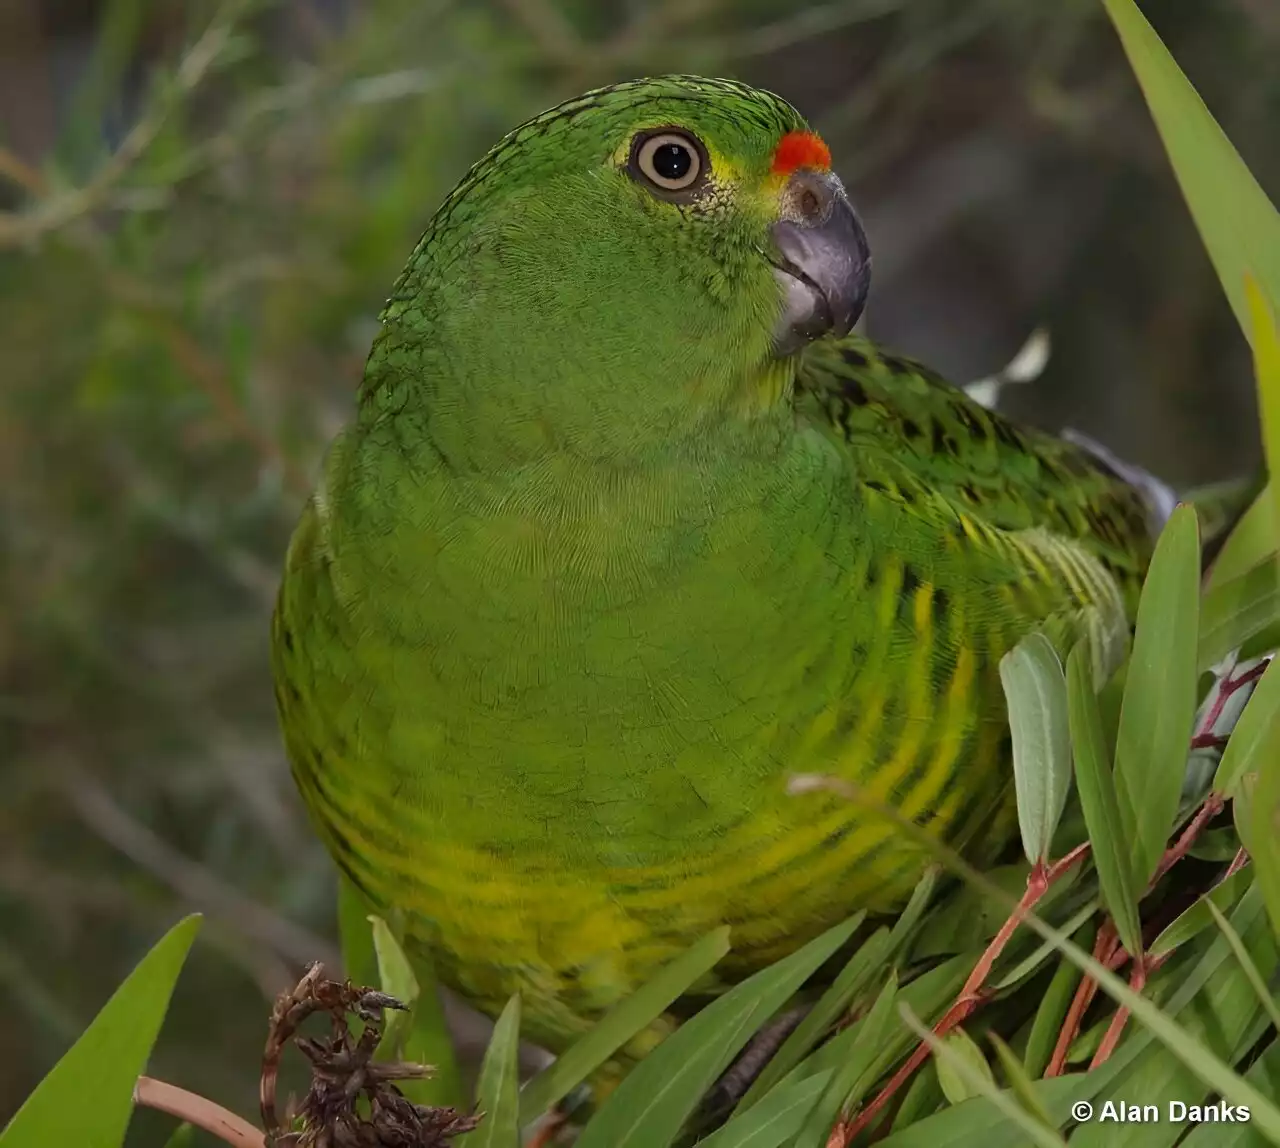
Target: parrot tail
pixel 1219 505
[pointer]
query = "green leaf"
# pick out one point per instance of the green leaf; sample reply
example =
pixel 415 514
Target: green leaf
pixel 982 1123
pixel 912 917
pixel 1239 225
pixel 1020 1084
pixel 1265 821
pixel 1199 1001
pixel 928 995
pixel 964 1071
pixel 498 1089
pixel 1197 917
pixel 582 1058
pixel 924 1097
pixel 649 1107
pixel 420 1035
pixel 1264 826
pixel 1204 990
pixel 430 1042
pixel 1235 610
pixel 1100 802
pixel 1253 540
pixel 115 45
pixel 87 1097
pixel 1217 845
pixel 395 977
pixel 1036 692
pixel 871 956
pixel 968 917
pixel 855 1073
pixel 1250 970
pixel 1044 951
pixel 877 952
pixel 1208 1067
pixel 1253 737
pixel 1159 704
pixel 775 1120
pixel 1050 1014
pixel 980 1083
pixel 1263 1074
pixel 184 1136
pixel 1266 365
pixel 359 959
pixel 1242 810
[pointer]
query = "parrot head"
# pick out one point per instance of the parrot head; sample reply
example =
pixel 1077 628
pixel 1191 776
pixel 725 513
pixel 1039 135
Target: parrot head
pixel 622 272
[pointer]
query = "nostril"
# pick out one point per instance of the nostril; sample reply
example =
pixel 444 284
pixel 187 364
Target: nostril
pixel 810 204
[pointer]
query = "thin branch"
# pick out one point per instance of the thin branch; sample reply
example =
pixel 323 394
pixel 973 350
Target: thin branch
pixel 654 26
pixel 550 28
pixel 809 24
pixel 204 370
pixel 61 209
pixel 197 1111
pixel 61 895
pixel 16 170
pixel 208 374
pixel 191 880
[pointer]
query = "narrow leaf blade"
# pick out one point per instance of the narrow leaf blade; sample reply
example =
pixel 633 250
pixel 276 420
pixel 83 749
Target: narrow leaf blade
pixel 656 1098
pixel 87 1098
pixel 1239 225
pixel 852 979
pixel 1197 917
pixel 1099 802
pixel 566 1072
pixel 853 1075
pixel 1249 739
pixel 775 1120
pixel 1159 703
pixel 1266 365
pixel 498 1089
pixel 359 958
pixel 420 1035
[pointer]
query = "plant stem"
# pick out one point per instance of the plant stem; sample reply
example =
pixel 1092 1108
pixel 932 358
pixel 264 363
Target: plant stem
pixel 1107 949
pixel 196 1110
pixel 1039 881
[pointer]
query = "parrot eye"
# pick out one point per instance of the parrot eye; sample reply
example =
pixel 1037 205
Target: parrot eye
pixel 668 160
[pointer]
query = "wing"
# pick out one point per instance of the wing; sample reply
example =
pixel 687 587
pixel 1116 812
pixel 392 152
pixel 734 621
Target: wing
pixel 898 415
pixel 1026 530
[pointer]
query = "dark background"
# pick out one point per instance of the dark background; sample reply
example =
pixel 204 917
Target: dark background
pixel 199 229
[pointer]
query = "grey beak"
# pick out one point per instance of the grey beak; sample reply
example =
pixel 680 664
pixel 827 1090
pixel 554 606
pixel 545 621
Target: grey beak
pixel 822 261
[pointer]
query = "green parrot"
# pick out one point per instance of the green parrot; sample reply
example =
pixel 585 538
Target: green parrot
pixel 628 529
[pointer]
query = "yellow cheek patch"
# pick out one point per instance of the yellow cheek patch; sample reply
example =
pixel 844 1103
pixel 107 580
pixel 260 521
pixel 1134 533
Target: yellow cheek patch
pixel 723 170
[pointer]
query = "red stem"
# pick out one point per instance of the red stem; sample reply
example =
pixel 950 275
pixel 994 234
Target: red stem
pixel 1178 850
pixel 1107 949
pixel 1237 862
pixel 196 1110
pixel 1039 881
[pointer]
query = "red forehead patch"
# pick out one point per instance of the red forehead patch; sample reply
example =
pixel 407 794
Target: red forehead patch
pixel 800 149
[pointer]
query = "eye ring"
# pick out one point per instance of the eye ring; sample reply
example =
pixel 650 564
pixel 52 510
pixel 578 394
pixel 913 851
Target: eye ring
pixel 669 160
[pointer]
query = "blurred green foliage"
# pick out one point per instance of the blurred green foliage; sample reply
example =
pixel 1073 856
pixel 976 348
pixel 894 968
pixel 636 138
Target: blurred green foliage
pixel 205 204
